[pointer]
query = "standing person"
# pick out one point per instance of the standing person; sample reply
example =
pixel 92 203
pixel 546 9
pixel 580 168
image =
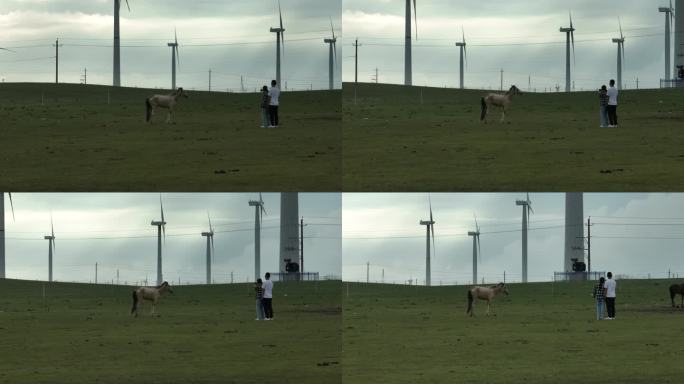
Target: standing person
pixel 259 293
pixel 612 104
pixel 274 94
pixel 268 297
pixel 600 297
pixel 609 286
pixel 265 101
pixel 603 106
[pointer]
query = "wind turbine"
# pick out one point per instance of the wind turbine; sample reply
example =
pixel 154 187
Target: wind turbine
pixel 333 54
pixel 2 231
pixel 51 248
pixel 620 55
pixel 259 211
pixel 408 64
pixel 161 229
pixel 117 43
pixel 430 227
pixel 210 248
pixel 280 38
pixel 669 16
pixel 526 210
pixel 464 54
pixel 570 36
pixel 175 57
pixel 476 249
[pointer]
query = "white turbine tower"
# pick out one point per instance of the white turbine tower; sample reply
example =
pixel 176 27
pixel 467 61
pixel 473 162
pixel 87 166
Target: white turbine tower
pixel 569 37
pixel 574 229
pixel 51 248
pixel 408 61
pixel 333 55
pixel 175 57
pixel 430 228
pixel 161 229
pixel 210 248
pixel 280 38
pixel 464 54
pixel 117 43
pixel 2 231
pixel 526 210
pixel 476 249
pixel 679 35
pixel 620 55
pixel 289 228
pixel 669 18
pixel 259 211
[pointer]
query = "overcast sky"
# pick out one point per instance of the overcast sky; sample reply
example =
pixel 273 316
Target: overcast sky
pixel 633 234
pixel 114 230
pixel 497 32
pixel 231 37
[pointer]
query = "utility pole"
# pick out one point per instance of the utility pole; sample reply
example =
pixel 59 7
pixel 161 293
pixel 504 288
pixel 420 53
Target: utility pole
pixel 57 45
pixel 117 276
pixel 231 277
pixel 376 76
pixel 589 243
pixel 637 83
pixel 84 78
pixel 356 61
pixel 383 275
pixel 529 83
pixel 301 245
pixel 95 273
pixel 209 80
pixel 242 84
pixel 368 272
pixel 501 79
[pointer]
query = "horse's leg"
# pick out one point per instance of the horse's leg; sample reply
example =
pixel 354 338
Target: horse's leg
pixel 503 114
pixel 488 302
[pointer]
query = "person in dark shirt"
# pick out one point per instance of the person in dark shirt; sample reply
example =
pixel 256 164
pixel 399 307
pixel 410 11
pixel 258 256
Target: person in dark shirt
pixel 265 101
pixel 259 293
pixel 603 106
pixel 600 296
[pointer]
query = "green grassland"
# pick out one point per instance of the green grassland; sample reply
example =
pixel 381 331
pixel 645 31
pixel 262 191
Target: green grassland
pixel 540 333
pixel 84 333
pixel 75 141
pixel 394 142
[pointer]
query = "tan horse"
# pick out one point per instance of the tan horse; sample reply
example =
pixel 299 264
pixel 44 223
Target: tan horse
pixel 484 293
pixel 150 294
pixel 676 289
pixel 162 101
pixel 498 100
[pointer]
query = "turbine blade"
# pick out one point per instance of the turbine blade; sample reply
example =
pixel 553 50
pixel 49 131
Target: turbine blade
pixel 415 17
pixel 572 37
pixel 52 227
pixel 11 205
pixel 280 12
pixel 620 24
pixel 127 6
pixel 210 227
pixel 332 29
pixel 161 205
pixel 430 202
pixel 8 50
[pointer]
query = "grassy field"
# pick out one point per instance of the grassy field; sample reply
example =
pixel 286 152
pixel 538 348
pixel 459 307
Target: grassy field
pixel 541 333
pixel 75 141
pixel 204 334
pixel 552 142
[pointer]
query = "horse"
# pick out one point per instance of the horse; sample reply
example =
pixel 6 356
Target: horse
pixel 149 293
pixel 676 289
pixel 162 101
pixel 499 100
pixel 484 293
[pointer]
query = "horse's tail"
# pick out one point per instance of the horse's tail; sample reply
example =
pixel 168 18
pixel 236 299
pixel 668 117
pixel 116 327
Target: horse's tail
pixel 135 301
pixel 148 110
pixel 483 110
pixel 470 303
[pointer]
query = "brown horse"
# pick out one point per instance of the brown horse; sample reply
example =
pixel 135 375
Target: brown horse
pixel 150 294
pixel 676 289
pixel 484 293
pixel 494 99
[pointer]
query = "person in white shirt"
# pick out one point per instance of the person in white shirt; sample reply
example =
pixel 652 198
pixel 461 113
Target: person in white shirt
pixel 612 105
pixel 274 94
pixel 268 297
pixel 609 287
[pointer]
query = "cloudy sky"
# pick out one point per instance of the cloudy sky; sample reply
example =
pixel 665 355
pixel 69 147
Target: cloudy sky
pixel 521 37
pixel 114 230
pixel 633 234
pixel 231 37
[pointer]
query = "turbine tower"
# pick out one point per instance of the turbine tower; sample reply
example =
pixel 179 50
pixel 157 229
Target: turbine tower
pixel 2 231
pixel 574 229
pixel 679 34
pixel 289 228
pixel 333 55
pixel 408 62
pixel 117 43
pixel 161 229
pixel 464 54
pixel 51 248
pixel 210 248
pixel 669 18
pixel 526 210
pixel 280 38
pixel 430 228
pixel 620 55
pixel 175 57
pixel 569 37
pixel 259 211
pixel 476 249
